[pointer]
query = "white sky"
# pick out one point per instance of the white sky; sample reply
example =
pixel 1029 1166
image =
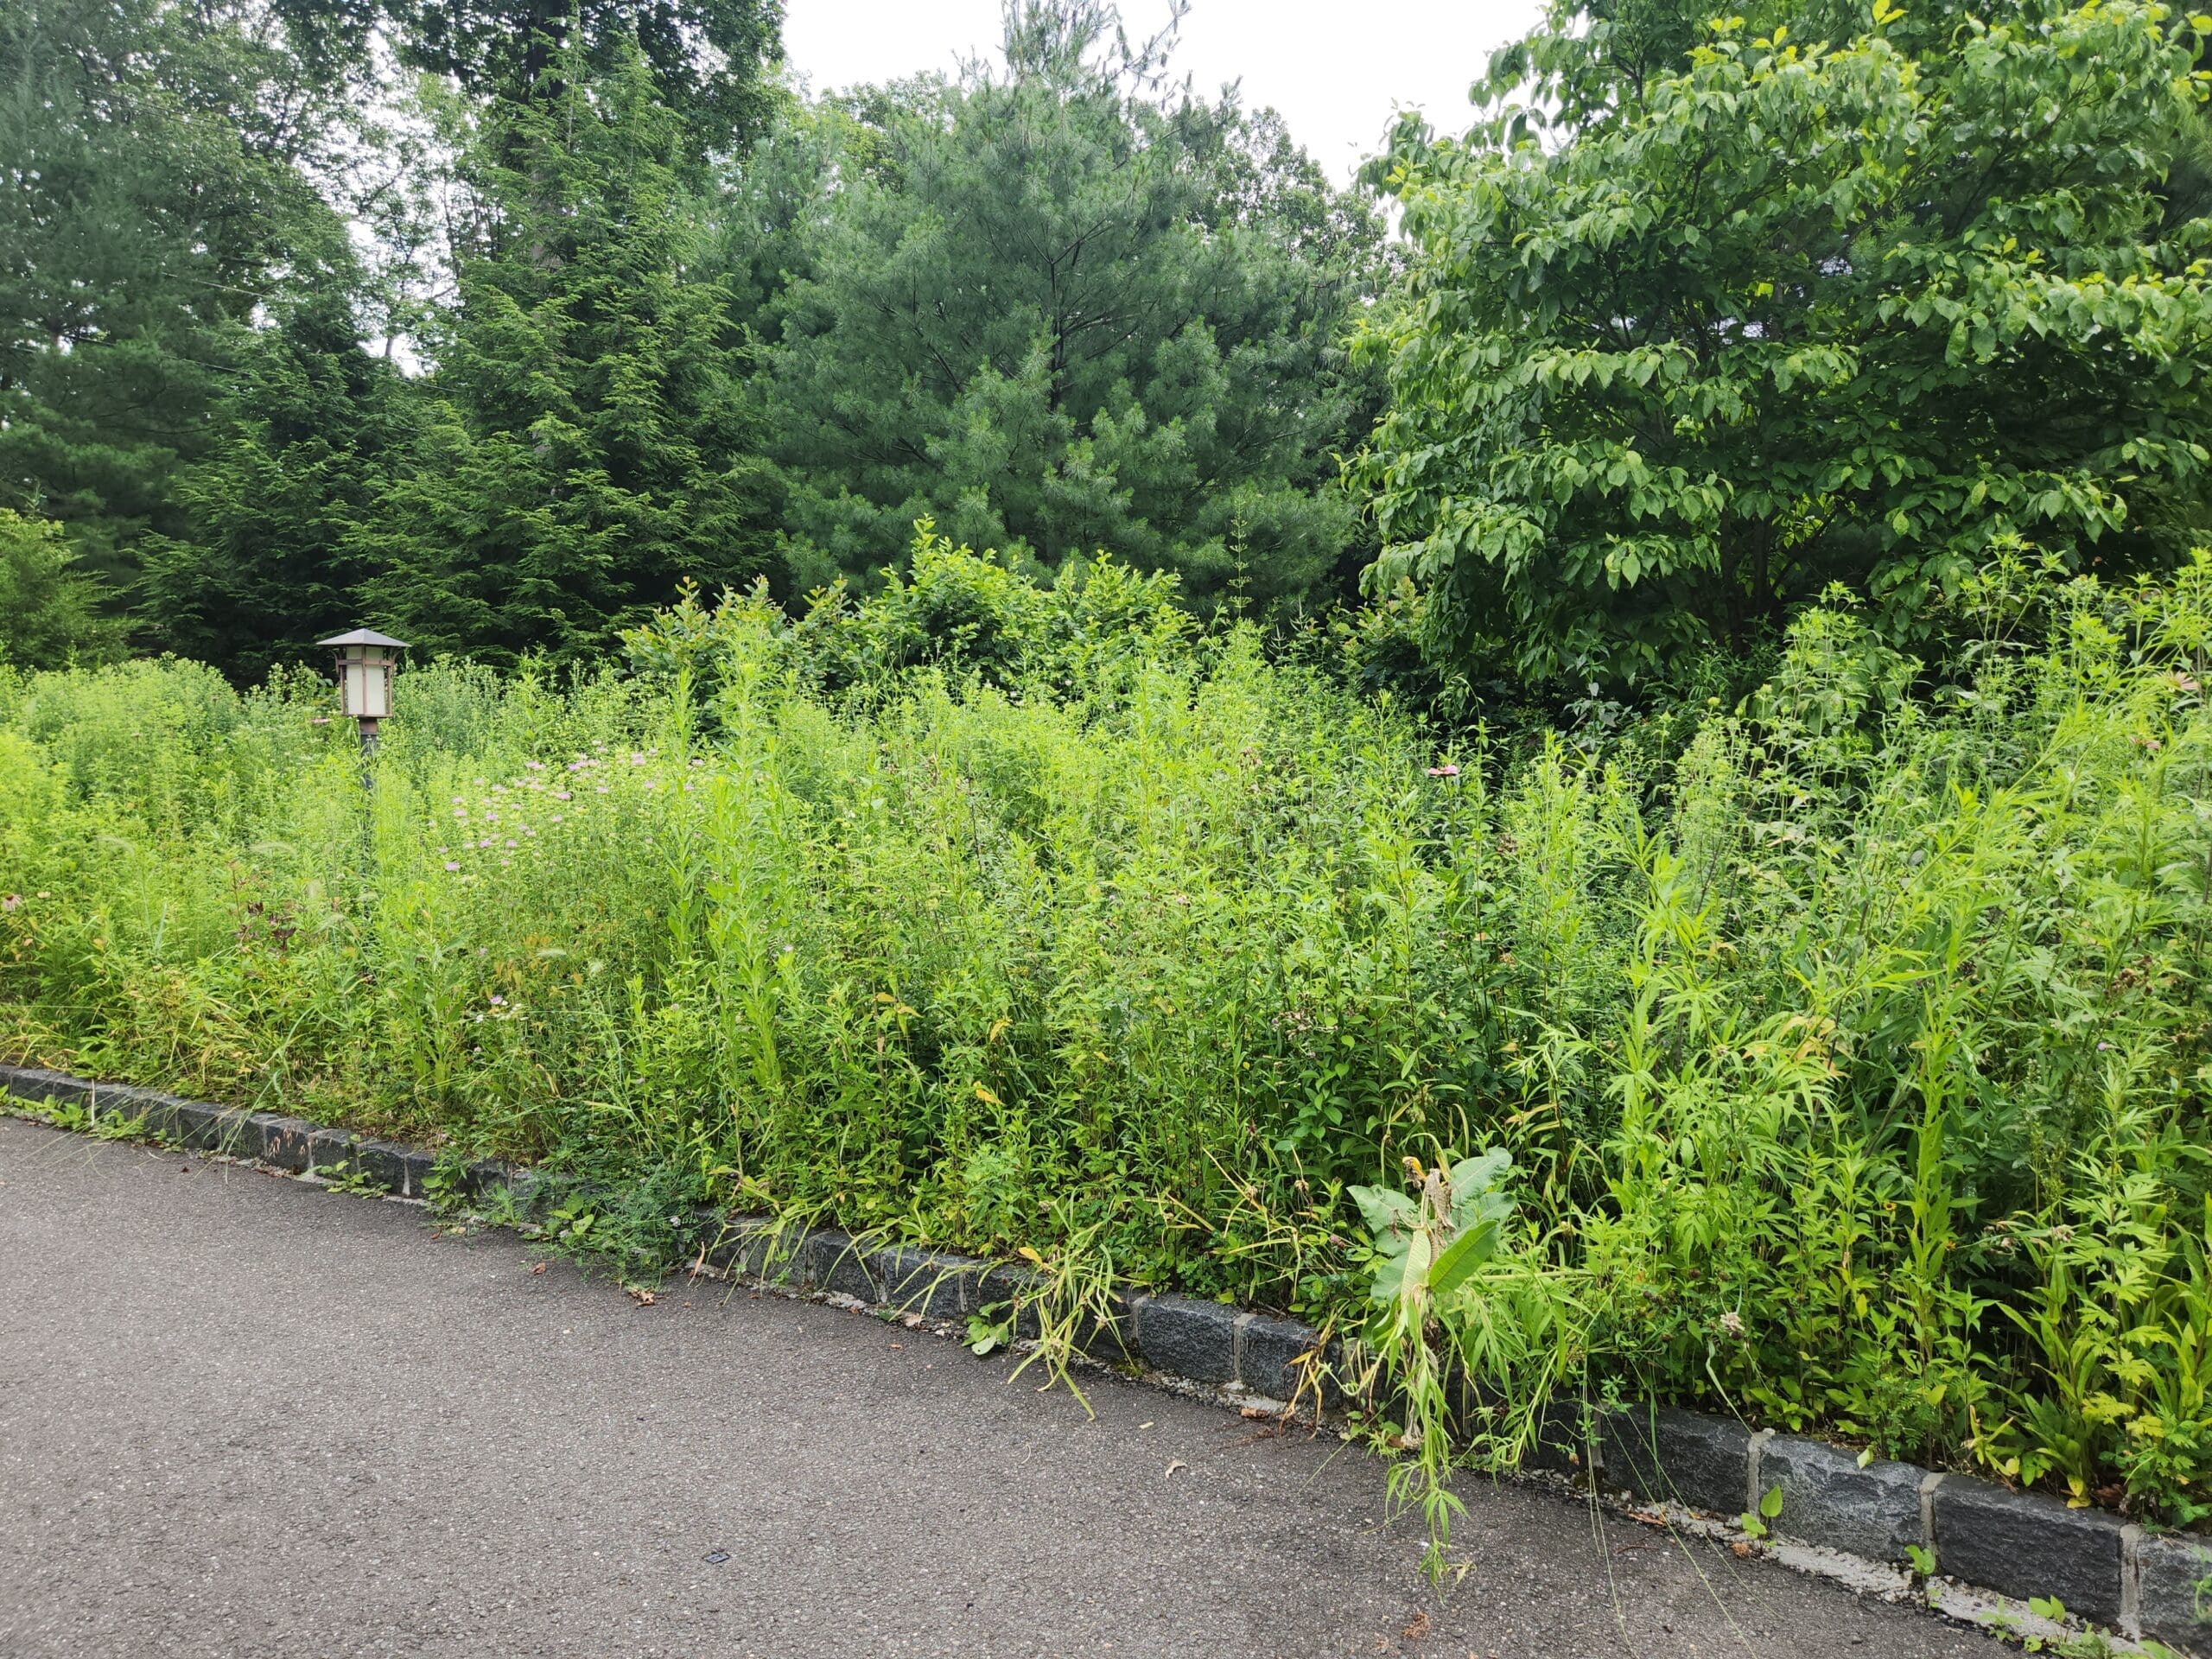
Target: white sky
pixel 1335 68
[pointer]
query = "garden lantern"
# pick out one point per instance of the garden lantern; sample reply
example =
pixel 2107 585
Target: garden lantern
pixel 368 661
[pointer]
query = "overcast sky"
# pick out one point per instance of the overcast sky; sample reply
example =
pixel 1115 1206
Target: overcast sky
pixel 1335 68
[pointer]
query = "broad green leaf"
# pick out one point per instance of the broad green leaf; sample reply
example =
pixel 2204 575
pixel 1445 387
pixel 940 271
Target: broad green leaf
pixel 1470 1251
pixel 1384 1210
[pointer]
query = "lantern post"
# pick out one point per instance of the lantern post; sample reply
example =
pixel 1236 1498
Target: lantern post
pixel 367 664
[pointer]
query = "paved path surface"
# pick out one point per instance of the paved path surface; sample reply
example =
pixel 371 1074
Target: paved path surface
pixel 243 1416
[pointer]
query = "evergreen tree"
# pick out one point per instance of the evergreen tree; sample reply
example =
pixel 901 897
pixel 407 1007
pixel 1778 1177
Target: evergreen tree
pixel 278 506
pixel 1067 308
pixel 582 451
pixel 705 56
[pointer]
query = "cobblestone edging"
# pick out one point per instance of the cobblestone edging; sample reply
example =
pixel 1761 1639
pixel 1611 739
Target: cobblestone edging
pixel 2019 1544
pixel 1981 1534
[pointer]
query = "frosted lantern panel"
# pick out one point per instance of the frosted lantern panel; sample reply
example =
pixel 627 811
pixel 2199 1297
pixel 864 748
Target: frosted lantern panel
pixel 367 691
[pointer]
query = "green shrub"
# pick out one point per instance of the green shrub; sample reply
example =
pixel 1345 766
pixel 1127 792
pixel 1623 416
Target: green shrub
pixel 50 612
pixel 1708 313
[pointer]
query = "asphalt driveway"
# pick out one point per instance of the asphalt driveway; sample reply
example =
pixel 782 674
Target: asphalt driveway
pixel 241 1415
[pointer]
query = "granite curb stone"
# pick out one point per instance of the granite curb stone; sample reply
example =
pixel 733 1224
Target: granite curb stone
pixel 1272 1354
pixel 161 1113
pixel 2018 1544
pixel 2169 1605
pixel 1828 1499
pixel 34 1082
pixel 741 1248
pixel 418 1165
pixel 1113 1341
pixel 199 1127
pixel 1184 1337
pixel 934 1285
pixel 485 1176
pixel 327 1148
pixel 284 1141
pixel 2027 1546
pixel 999 1285
pixel 1677 1456
pixel 386 1165
pixel 832 1261
pixel 121 1099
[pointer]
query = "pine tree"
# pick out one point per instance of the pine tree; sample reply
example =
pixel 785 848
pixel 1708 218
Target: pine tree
pixel 1068 307
pixel 583 451
pixel 277 508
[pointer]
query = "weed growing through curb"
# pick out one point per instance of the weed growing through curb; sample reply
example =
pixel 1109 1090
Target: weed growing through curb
pixel 1760 1525
pixel 343 1177
pixel 1071 1295
pixel 79 1119
pixel 68 1115
pixel 446 1188
pixel 990 1328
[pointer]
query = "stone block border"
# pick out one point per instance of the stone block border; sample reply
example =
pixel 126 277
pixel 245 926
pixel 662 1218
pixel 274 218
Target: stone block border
pixel 1980 1534
pixel 1252 1355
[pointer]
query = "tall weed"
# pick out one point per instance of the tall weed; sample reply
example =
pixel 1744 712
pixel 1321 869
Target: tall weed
pixel 1843 1053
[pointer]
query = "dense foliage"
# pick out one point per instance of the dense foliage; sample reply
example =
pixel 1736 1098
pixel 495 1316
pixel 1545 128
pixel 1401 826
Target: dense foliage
pixel 159 193
pixel 703 56
pixel 1061 309
pixel 1725 921
pixel 1849 1049
pixel 580 451
pixel 272 557
pixel 1699 322
pixel 48 607
pixel 497 321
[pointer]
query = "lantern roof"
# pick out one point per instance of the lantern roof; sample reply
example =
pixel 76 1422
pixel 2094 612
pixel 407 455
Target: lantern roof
pixel 364 637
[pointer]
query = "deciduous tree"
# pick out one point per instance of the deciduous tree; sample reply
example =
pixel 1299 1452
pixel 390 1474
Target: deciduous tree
pixel 1774 310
